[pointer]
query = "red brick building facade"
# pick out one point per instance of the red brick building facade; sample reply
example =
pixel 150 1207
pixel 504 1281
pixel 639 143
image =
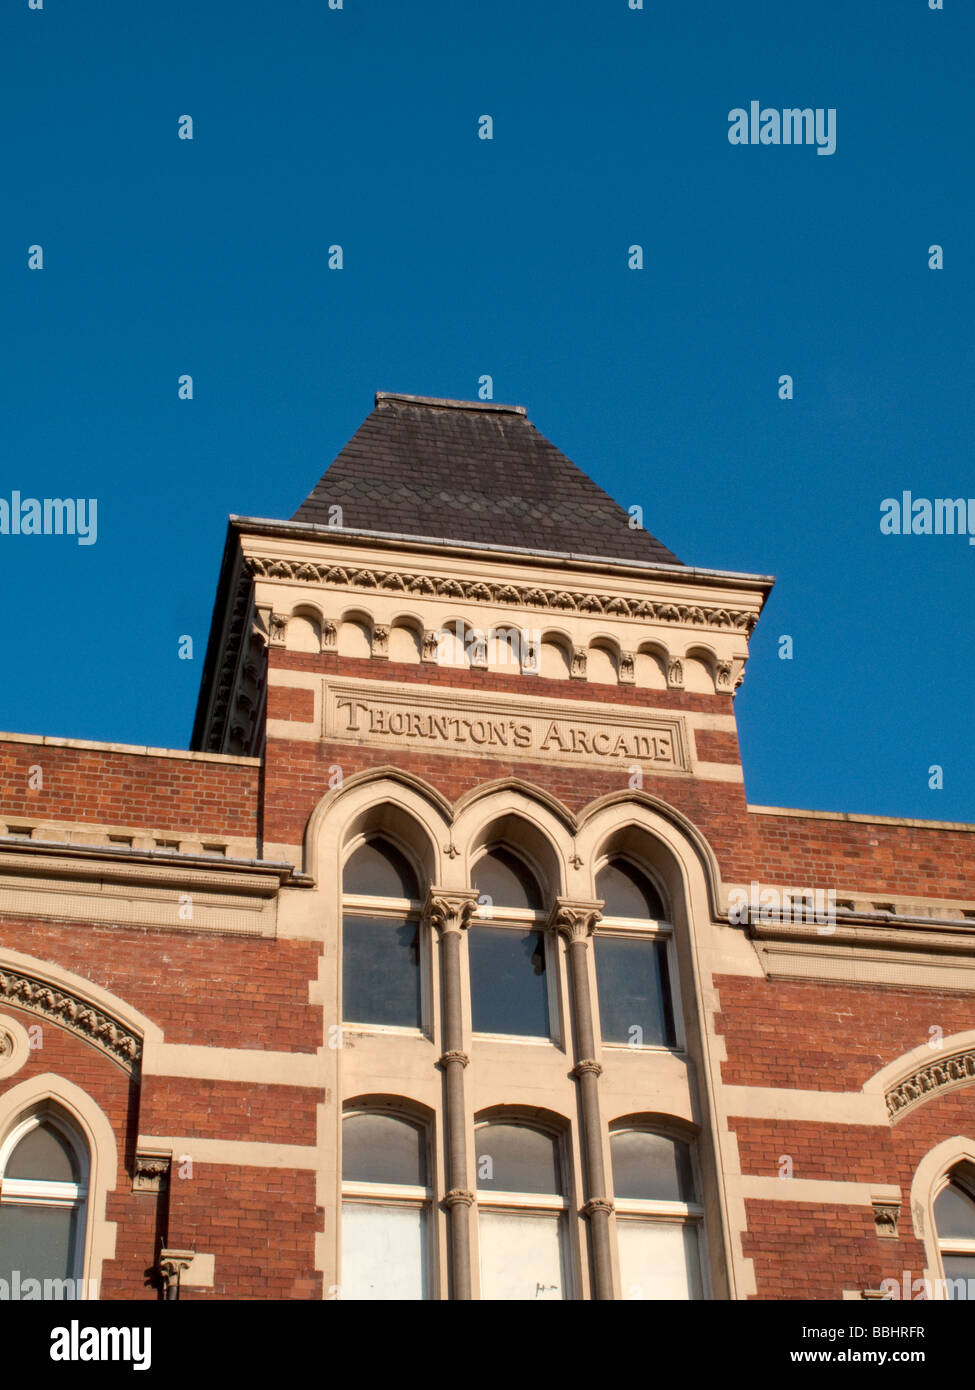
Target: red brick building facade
pixel 461 867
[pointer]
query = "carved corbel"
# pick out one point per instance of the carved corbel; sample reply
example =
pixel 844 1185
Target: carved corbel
pixel 579 664
pixel 151 1170
pixel 675 673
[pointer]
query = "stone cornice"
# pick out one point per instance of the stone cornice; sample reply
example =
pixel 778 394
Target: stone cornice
pixel 941 937
pixel 78 1015
pixel 498 593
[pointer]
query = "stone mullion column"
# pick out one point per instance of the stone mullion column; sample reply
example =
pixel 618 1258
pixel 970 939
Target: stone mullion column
pixel 449 912
pixel 576 921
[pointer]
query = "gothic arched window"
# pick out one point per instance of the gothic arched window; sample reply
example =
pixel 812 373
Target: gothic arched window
pixel 386 1205
pixel 509 953
pixel 658 1219
pixel 521 1212
pixel 635 963
pixel 381 938
pixel 44 1165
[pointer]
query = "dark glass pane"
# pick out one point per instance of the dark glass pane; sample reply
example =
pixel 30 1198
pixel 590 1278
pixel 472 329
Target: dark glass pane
pixel 381 971
pixel 508 989
pixel 377 869
pixel 516 1158
pixel 37 1241
pixel 954 1214
pixel 634 991
pixel 383 1148
pixel 43 1155
pixel 626 892
pixel 960 1276
pixel 651 1167
pixel 502 877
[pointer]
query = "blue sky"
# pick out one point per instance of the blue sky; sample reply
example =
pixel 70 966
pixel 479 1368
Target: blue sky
pixel 462 257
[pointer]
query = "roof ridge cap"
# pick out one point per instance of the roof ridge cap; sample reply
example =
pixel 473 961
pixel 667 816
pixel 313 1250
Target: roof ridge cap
pixel 447 403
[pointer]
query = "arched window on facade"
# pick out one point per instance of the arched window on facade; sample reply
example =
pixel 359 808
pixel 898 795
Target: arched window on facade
pixel 509 952
pixel 386 1208
pixel 382 975
pixel 635 963
pixel 521 1213
pixel 44 1165
pixel 658 1219
pixel 954 1220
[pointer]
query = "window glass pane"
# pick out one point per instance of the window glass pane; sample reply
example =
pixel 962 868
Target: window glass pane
pixel 381 971
pixel 383 1251
pixel 521 1255
pixel 516 1158
pixel 651 1167
pixel 658 1259
pixel 509 993
pixel 959 1276
pixel 954 1214
pixel 508 882
pixel 37 1241
pixel 634 991
pixel 377 869
pixel 383 1148
pixel 626 892
pixel 43 1155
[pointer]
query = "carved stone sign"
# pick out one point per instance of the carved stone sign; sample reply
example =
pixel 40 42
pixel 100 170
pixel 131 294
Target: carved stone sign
pixel 535 729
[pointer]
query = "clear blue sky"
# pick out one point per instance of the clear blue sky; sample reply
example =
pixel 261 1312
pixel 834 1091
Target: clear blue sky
pixel 508 257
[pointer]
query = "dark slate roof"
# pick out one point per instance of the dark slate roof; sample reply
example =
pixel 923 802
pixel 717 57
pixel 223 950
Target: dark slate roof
pixel 471 471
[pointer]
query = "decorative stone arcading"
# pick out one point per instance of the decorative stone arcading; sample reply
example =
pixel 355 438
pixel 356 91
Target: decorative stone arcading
pixel 497 593
pixel 955 1070
pixel 72 1012
pixel 448 909
pixel 574 919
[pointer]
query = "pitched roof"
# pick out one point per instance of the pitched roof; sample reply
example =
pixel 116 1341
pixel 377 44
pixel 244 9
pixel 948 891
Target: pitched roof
pixel 471 471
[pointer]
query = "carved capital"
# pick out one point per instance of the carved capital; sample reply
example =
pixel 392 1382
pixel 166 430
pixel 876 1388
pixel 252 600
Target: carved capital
pixel 450 909
pixel 170 1266
pixel 277 629
pixel 578 666
pixel 380 641
pixel 455 1055
pixel 458 1197
pixel 430 647
pixel 597 1204
pixel 587 1066
pixel 575 920
pixel 675 674
pixel 330 634
pixel 627 668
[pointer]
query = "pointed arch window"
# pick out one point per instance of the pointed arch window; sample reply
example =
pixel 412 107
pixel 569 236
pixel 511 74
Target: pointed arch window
pixel 658 1217
pixel 954 1219
pixel 509 950
pixel 382 947
pixel 521 1213
pixel 386 1208
pixel 44 1166
pixel 635 960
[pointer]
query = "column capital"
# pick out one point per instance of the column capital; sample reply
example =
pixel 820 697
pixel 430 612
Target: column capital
pixel 458 1197
pixel 587 1065
pixel 575 918
pixel 450 909
pixel 454 1055
pixel 170 1265
pixel 597 1204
